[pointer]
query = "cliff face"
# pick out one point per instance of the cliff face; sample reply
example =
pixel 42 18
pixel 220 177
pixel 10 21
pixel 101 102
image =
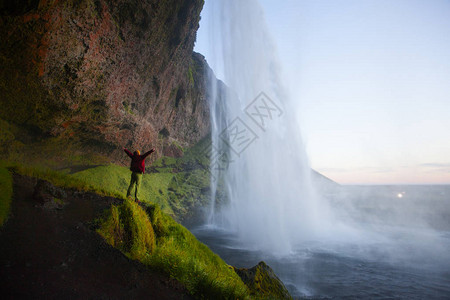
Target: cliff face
pixel 110 73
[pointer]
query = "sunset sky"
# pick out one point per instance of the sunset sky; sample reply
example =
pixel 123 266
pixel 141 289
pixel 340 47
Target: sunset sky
pixel 372 84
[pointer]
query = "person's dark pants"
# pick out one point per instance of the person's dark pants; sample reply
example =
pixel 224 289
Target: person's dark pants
pixel 136 179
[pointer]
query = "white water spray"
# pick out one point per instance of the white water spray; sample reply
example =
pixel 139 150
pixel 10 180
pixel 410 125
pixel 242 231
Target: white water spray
pixel 272 207
pixel 271 204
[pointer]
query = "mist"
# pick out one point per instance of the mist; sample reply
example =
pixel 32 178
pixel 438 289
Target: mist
pixel 267 179
pixel 322 238
pixel 401 224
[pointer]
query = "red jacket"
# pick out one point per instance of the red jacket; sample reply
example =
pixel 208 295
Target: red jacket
pixel 138 161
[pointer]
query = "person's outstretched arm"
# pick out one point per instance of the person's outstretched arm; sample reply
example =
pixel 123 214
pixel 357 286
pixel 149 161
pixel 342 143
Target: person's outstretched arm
pixel 147 153
pixel 128 152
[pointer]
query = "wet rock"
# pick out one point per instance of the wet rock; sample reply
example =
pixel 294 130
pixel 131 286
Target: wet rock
pixel 263 282
pixel 173 151
pixel 48 195
pixel 106 73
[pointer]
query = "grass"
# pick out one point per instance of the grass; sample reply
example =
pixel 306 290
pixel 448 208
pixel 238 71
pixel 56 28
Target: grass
pixel 129 229
pixel 177 185
pixel 185 191
pixel 147 234
pixel 177 252
pixel 19 145
pixel 115 179
pixel 6 192
pixel 157 241
pixel 63 180
pixel 203 273
pixel 150 236
pixel 110 180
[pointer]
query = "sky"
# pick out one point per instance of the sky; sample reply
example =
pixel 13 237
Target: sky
pixel 372 82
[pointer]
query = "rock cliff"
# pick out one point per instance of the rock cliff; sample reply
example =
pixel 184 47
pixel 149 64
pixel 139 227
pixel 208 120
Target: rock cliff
pixel 104 73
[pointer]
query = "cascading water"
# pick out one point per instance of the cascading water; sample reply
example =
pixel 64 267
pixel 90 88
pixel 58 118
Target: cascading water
pixel 352 242
pixel 258 150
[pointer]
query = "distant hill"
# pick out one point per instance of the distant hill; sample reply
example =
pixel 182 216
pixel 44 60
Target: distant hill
pixel 323 182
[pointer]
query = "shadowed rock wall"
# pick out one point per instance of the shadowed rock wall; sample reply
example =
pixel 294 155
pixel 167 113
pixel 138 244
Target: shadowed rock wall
pixel 105 73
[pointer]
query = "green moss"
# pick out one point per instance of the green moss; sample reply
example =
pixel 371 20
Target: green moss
pixel 62 179
pixel 176 252
pixel 57 178
pixel 169 161
pixel 113 179
pixel 189 187
pixel 165 170
pixel 6 192
pixel 58 201
pixel 263 283
pixel 187 190
pixel 191 74
pixel 129 229
pixel 158 163
pixel 195 157
pixel 157 219
pixel 175 143
pixel 127 108
pixel 177 185
pixel 59 151
pixel 172 250
pixel 165 164
pixel 183 257
pixel 112 229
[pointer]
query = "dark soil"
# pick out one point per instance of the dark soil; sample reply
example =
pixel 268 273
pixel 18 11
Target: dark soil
pixel 78 168
pixel 55 253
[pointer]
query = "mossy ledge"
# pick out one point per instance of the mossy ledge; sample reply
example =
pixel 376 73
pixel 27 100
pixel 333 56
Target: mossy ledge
pixel 146 234
pixel 263 283
pixel 129 229
pixel 153 238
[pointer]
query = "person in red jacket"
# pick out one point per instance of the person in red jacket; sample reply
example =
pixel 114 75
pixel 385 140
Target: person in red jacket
pixel 137 168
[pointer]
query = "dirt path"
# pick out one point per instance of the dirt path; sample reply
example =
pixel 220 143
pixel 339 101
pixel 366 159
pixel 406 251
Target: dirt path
pixel 51 253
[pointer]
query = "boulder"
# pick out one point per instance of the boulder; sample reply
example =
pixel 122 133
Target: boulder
pixel 48 195
pixel 262 282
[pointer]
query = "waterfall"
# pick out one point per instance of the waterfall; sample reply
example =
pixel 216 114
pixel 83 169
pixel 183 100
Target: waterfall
pixel 257 153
